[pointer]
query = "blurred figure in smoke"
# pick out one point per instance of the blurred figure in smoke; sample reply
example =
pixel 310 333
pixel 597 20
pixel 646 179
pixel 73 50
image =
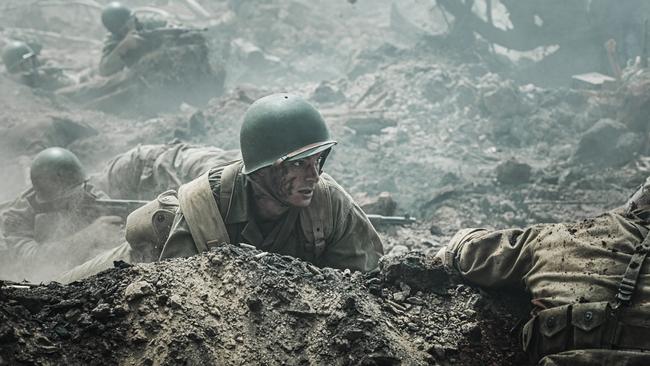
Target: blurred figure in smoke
pixel 123 46
pixel 46 229
pixel 23 66
pixel 148 67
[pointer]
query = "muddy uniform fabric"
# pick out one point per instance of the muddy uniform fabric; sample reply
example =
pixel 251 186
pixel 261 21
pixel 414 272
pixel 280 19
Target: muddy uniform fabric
pixel 572 272
pixel 148 170
pixel 39 239
pixel 349 240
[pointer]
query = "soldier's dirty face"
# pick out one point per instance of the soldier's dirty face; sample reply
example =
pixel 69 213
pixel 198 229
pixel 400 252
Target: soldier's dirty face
pixel 27 64
pixel 294 181
pixel 56 194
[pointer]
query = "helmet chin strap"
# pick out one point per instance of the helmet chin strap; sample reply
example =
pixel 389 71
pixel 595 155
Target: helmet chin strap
pixel 323 157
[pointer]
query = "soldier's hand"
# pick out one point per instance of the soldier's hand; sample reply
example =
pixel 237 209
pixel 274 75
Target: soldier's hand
pixel 108 221
pixel 132 41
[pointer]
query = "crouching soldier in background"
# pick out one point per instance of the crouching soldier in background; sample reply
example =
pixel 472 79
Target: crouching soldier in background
pixel 148 67
pixel 589 282
pixel 48 229
pixel 22 65
pixel 123 45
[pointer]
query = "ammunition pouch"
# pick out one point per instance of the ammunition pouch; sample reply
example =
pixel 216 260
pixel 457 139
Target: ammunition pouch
pixel 581 326
pixel 148 227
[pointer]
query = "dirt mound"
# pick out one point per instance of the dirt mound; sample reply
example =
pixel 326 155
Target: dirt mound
pixel 237 305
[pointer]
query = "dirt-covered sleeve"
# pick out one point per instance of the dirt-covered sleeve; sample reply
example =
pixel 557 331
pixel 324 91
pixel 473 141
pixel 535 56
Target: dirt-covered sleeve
pixel 492 258
pixel 111 62
pixel 180 242
pixel 18 229
pixel 353 242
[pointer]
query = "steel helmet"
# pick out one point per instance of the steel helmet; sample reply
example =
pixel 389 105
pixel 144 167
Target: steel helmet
pixel 281 127
pixel 14 53
pixel 54 171
pixel 115 15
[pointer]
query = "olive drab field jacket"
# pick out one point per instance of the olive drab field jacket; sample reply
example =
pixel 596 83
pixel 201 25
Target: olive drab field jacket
pixel 332 231
pixel 573 272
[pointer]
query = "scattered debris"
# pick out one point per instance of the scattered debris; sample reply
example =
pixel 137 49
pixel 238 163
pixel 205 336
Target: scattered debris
pixel 608 143
pixel 513 172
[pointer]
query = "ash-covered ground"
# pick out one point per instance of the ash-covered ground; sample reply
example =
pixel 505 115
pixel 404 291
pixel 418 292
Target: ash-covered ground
pixel 238 306
pixel 441 125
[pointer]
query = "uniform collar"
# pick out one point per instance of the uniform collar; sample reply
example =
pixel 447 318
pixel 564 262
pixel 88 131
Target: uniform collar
pixel 240 213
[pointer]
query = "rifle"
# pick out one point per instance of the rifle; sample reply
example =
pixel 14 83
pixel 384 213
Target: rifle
pixel 110 207
pixel 155 38
pixel 159 33
pixel 378 220
pixel 20 285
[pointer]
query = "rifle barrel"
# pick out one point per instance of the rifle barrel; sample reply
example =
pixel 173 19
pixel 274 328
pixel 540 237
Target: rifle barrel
pixel 390 220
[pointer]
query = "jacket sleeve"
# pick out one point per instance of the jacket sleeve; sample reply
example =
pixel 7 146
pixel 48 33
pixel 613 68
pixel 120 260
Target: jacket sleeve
pixel 111 62
pixel 18 229
pixel 354 243
pixel 499 258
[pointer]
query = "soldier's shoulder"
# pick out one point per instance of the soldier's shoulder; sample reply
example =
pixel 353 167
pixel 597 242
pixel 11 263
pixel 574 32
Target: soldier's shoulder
pixel 338 195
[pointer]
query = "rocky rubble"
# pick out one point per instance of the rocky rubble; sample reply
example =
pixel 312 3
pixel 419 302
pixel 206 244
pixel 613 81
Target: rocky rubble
pixel 237 305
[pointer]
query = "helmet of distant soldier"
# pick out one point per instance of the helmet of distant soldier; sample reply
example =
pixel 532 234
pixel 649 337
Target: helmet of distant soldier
pixel 115 15
pixel 14 53
pixel 281 127
pixel 54 172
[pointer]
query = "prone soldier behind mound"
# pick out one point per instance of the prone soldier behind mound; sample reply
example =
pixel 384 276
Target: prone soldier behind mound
pixel 276 198
pixel 46 229
pixel 589 282
pixel 22 65
pixel 145 171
